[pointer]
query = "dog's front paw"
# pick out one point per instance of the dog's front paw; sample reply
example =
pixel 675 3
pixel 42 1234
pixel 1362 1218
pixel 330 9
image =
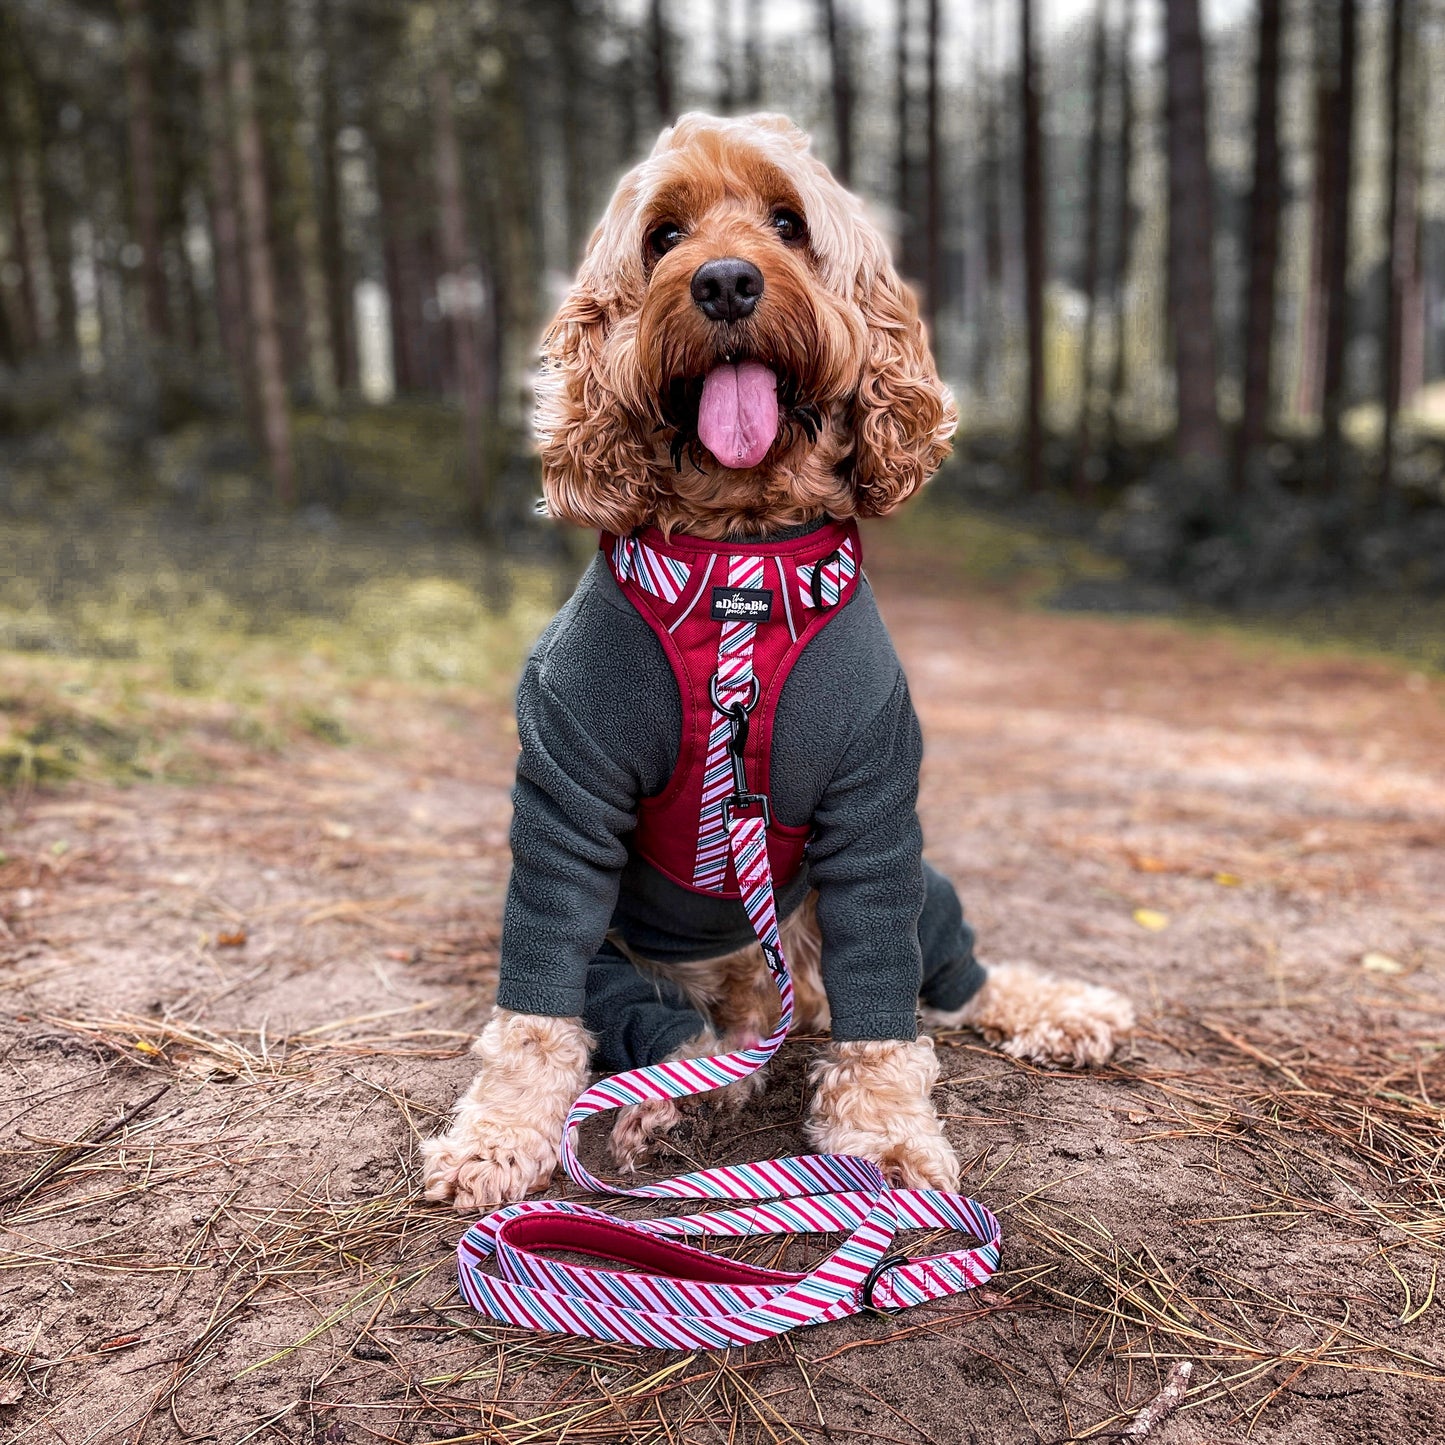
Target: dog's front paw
pixel 871 1099
pixel 478 1169
pixel 639 1129
pixel 1033 1015
pixel 505 1130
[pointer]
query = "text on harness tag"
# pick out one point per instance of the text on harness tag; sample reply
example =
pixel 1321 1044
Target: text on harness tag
pixel 742 604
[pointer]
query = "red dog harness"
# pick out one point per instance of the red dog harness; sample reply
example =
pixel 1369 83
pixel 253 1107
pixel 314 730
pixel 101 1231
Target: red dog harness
pixel 732 618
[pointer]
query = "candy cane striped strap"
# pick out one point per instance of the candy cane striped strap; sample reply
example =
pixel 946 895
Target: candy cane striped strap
pixel 654 572
pixel 679 1297
pixel 821 585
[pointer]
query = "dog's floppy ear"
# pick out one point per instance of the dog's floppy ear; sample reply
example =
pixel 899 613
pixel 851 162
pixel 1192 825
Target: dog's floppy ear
pixel 598 466
pixel 903 416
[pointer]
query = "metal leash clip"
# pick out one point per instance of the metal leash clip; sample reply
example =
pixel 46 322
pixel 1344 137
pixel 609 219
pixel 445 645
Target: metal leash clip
pixel 737 715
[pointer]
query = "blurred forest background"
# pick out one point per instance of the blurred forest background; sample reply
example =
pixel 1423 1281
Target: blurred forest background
pixel 273 273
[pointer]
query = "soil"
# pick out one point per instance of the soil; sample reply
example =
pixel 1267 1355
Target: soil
pixel 1248 840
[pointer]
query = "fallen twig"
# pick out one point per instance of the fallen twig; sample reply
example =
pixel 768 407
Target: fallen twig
pixel 65 1156
pixel 1164 1404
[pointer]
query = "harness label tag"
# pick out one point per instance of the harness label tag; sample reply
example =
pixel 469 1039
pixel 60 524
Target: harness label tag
pixel 742 604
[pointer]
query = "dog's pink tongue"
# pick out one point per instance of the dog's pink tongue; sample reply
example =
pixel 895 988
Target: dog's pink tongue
pixel 737 418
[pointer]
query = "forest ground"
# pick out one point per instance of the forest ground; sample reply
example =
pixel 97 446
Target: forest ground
pixel 269 963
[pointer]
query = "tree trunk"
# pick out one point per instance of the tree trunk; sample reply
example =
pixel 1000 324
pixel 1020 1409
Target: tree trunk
pixel 723 42
pixel 335 261
pixel 1093 224
pixel 753 56
pixel 225 230
pixel 1399 226
pixel 903 136
pixel 661 45
pixel 1263 242
pixel 1033 211
pixel 460 291
pixel 1337 236
pixel 60 188
pixel 1191 235
pixel 1124 223
pixel 24 324
pixel 841 74
pixel 310 281
pixel 140 127
pixel 1309 388
pixel 933 182
pixel 20 137
pixel 260 269
pixel 986 296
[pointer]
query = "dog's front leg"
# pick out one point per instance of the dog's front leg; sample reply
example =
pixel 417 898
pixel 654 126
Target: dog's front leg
pixel 872 1098
pixel 505 1130
pixel 1038 1016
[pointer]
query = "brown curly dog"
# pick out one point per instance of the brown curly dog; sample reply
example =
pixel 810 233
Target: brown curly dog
pixel 732 248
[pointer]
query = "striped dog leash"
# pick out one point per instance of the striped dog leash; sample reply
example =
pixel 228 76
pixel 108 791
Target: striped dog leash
pixel 674 1295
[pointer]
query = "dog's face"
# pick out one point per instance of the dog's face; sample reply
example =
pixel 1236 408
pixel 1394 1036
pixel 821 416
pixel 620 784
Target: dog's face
pixel 737 352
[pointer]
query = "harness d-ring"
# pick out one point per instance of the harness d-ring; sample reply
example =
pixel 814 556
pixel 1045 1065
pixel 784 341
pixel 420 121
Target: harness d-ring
pixel 815 582
pixel 727 708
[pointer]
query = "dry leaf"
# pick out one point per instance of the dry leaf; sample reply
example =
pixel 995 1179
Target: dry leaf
pixel 1381 963
pixel 11 1392
pixel 1151 919
pixel 236 939
pixel 1145 864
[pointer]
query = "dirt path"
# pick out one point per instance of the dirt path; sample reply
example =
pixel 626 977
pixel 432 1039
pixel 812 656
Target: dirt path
pixel 300 950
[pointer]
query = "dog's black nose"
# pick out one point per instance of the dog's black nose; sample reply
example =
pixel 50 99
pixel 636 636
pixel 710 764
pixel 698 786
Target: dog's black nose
pixel 727 289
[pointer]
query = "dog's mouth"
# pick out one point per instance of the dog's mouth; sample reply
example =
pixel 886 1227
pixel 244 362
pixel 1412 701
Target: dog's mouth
pixel 736 410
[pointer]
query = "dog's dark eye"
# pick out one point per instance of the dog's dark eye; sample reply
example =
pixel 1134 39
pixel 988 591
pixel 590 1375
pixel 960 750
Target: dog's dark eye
pixel 789 225
pixel 661 239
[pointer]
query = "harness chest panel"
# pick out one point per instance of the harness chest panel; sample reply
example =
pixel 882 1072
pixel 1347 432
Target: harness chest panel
pixel 733 618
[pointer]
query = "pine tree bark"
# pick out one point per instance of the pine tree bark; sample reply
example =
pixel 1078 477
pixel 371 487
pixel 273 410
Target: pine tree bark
pixel 933 180
pixel 270 378
pixel 1124 225
pixel 1093 226
pixel 903 138
pixel 1263 242
pixel 723 43
pixel 335 261
pixel 1191 235
pixel 753 55
pixel 140 129
pixel 461 292
pixel 1309 388
pixel 225 228
pixel 21 141
pixel 841 79
pixel 1033 214
pixel 25 329
pixel 1337 238
pixel 1399 226
pixel 661 45
pixel 994 309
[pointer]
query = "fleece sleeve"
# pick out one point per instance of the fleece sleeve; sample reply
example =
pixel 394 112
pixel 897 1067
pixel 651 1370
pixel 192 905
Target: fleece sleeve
pixel 573 805
pixel 866 861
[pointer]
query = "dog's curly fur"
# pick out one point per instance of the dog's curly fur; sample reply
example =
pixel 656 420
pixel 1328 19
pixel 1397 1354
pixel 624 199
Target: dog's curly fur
pixel 839 327
pixel 865 422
